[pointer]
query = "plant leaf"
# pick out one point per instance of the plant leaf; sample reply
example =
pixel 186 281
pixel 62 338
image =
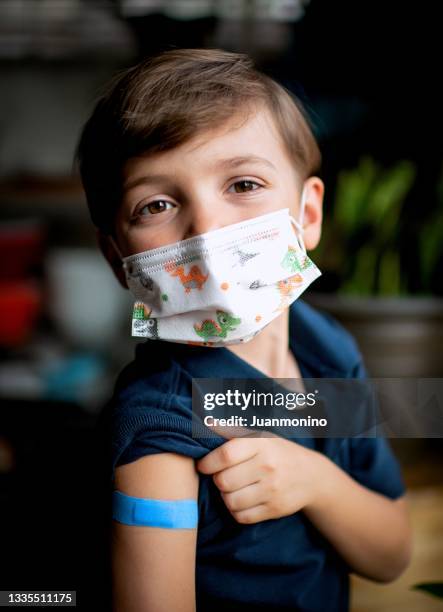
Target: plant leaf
pixel 431 246
pixel 352 191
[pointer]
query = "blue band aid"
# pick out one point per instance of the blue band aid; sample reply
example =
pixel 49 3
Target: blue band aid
pixel 172 514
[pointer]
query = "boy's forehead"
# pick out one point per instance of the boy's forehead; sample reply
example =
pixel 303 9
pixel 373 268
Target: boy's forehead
pixel 251 134
pixel 254 127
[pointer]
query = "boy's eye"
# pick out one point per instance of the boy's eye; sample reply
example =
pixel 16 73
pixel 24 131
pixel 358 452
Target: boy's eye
pixel 155 207
pixel 244 185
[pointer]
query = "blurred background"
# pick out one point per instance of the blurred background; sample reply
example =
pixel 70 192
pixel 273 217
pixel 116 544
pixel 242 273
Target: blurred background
pixel 367 73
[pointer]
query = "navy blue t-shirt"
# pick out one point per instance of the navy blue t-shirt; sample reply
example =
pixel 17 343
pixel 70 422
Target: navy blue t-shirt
pixel 278 564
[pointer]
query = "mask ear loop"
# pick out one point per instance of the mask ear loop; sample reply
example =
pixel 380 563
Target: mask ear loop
pixel 117 250
pixel 298 225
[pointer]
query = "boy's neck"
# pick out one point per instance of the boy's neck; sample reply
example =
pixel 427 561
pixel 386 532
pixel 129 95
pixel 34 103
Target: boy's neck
pixel 269 350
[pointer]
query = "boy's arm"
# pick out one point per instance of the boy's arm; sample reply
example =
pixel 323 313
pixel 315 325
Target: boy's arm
pixel 370 531
pixel 267 478
pixel 154 568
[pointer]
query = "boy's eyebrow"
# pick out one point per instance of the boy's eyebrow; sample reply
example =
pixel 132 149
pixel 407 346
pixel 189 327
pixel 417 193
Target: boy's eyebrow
pixel 232 162
pixel 149 178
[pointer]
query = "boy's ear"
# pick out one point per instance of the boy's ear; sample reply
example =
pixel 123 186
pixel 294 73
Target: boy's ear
pixel 313 214
pixel 111 256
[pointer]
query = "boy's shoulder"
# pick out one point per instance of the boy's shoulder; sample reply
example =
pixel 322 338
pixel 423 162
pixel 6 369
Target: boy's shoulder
pixel 149 411
pixel 149 371
pixel 322 344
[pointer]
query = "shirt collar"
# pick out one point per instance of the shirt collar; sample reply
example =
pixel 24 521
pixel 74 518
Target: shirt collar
pixel 220 362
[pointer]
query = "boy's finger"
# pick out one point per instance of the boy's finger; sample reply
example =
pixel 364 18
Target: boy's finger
pixel 238 477
pixel 228 454
pixel 252 515
pixel 244 498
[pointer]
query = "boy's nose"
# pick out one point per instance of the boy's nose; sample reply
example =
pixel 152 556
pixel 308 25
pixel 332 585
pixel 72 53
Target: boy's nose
pixel 201 221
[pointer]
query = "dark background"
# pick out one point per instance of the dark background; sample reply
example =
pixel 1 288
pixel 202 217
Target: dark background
pixel 369 74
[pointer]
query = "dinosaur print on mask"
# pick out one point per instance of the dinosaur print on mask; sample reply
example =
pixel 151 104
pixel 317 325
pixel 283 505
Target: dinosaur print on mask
pixel 152 293
pixel 292 263
pixel 243 257
pixel 256 284
pixel 194 279
pixel 220 328
pixel 142 322
pixel 286 288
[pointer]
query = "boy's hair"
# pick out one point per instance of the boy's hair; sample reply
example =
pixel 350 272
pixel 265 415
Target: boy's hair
pixel 167 99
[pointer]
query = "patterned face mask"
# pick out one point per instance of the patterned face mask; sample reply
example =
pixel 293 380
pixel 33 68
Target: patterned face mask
pixel 222 287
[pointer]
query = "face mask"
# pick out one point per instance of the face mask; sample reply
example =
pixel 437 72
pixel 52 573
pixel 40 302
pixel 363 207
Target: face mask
pixel 222 287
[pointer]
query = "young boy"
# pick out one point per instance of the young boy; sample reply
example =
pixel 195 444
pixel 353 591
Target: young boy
pixel 184 144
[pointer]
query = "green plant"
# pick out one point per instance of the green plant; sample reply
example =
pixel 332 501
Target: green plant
pixel 431 239
pixel 364 235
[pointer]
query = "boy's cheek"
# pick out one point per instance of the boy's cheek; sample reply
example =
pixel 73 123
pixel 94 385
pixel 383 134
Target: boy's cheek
pixel 112 258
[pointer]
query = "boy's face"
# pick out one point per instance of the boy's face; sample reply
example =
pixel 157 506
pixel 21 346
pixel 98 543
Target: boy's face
pixel 234 172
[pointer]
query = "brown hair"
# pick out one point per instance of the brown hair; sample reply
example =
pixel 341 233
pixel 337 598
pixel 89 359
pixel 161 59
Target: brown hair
pixel 164 101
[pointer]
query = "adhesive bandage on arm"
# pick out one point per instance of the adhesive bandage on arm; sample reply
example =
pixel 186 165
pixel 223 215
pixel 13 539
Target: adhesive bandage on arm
pixel 168 514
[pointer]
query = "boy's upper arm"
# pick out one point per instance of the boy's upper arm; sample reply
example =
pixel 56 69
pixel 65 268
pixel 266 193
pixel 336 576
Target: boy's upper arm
pixel 161 476
pixel 154 568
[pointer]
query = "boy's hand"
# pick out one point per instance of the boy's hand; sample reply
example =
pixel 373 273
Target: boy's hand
pixel 267 478
pixel 263 478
